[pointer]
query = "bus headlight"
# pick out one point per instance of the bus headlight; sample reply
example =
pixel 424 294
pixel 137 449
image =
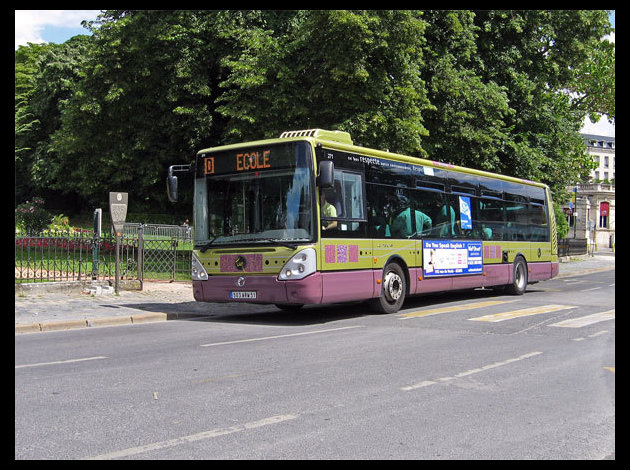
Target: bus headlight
pixel 197 271
pixel 299 266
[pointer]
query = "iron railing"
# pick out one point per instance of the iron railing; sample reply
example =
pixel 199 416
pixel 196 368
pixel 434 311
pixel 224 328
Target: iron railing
pixel 81 256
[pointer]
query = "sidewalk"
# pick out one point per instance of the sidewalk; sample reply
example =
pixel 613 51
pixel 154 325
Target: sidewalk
pixel 41 310
pixel 603 260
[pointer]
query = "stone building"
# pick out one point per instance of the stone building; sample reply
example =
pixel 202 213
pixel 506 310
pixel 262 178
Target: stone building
pixel 591 212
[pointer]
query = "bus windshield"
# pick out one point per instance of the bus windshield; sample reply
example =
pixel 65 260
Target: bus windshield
pixel 255 195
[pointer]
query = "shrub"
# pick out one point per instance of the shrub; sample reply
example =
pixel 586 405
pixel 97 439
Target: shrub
pixel 561 222
pixel 31 217
pixel 59 223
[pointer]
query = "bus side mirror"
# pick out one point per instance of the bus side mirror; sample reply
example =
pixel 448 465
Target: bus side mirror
pixel 171 180
pixel 171 186
pixel 326 174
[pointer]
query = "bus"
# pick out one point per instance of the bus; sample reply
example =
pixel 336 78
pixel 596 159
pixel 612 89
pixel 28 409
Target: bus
pixel 312 218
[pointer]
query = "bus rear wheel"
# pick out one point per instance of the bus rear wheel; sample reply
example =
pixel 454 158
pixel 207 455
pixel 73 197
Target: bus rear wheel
pixel 393 290
pixel 519 278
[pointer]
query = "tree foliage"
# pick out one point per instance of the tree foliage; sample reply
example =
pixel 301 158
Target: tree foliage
pixel 505 91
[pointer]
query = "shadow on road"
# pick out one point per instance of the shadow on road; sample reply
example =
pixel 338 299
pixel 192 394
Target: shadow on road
pixel 307 315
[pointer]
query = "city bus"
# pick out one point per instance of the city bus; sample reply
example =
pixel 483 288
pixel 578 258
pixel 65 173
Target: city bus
pixel 312 218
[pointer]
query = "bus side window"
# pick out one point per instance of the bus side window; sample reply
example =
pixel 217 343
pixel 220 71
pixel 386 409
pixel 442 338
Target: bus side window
pixel 491 218
pixel 378 226
pixel 518 228
pixel 336 198
pixel 538 223
pixel 446 219
pixel 349 201
pixel 349 188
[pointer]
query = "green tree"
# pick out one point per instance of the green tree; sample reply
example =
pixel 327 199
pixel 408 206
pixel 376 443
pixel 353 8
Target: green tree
pixel 350 70
pixel 145 102
pixel 468 122
pixel 26 63
pixel 46 76
pixel 536 56
pixel 594 82
pixel 501 90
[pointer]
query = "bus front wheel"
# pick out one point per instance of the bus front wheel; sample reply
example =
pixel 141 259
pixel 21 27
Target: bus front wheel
pixel 393 290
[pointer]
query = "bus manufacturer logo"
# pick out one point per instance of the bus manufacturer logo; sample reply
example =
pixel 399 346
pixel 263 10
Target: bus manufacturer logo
pixel 240 263
pixel 240 282
pixel 248 263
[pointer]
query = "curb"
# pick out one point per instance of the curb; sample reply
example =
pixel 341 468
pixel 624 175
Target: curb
pixel 139 318
pixel 584 271
pixel 68 287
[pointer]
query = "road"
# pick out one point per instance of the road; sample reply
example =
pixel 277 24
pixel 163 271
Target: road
pixel 472 375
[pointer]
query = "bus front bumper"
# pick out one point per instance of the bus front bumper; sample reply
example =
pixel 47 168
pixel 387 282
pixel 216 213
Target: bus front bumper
pixel 259 289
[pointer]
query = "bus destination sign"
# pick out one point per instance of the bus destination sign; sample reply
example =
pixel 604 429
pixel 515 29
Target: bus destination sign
pixel 253 160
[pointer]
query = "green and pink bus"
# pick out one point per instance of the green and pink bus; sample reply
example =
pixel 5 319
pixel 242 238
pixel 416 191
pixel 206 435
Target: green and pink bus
pixel 311 218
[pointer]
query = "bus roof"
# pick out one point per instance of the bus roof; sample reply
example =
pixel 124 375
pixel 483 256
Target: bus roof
pixel 342 141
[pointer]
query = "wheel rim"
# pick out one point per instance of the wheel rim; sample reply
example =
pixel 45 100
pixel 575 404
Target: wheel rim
pixel 520 276
pixel 393 286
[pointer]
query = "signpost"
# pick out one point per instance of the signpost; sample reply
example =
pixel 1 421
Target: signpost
pixel 118 212
pixel 98 214
pixel 575 191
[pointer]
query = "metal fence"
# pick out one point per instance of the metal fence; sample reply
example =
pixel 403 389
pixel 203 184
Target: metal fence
pixel 79 255
pixel 573 246
pixel 172 232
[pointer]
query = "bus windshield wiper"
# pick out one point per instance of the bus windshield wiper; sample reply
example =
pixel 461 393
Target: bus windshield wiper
pixel 203 248
pixel 293 246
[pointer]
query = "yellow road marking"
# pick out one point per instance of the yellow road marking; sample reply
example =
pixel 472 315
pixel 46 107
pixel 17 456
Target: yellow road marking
pixel 522 313
pixel 611 369
pixel 453 308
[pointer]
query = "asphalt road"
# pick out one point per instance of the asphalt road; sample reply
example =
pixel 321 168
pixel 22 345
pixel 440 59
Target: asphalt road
pixel 474 375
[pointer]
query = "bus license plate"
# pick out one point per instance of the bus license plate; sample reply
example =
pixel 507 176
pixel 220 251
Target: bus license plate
pixel 242 294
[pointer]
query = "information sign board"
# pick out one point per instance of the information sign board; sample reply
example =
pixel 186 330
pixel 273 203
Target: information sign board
pixel 118 210
pixel 452 257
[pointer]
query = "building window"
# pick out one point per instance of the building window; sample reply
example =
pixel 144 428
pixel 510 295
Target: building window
pixel 604 208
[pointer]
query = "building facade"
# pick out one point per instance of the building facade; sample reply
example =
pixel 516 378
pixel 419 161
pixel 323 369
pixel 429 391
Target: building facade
pixel 602 149
pixel 591 211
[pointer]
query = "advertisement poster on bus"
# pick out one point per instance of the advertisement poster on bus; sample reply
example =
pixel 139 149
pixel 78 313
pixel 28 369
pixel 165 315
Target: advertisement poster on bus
pixel 452 257
pixel 465 213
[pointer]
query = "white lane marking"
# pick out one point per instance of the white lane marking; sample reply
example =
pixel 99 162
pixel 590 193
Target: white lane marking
pixel 280 336
pixel 192 438
pixel 61 362
pixel 599 333
pixel 587 320
pixel 522 313
pixel 594 335
pixel 426 383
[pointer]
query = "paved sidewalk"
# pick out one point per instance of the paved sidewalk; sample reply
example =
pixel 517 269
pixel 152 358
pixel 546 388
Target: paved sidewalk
pixel 603 260
pixel 40 310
